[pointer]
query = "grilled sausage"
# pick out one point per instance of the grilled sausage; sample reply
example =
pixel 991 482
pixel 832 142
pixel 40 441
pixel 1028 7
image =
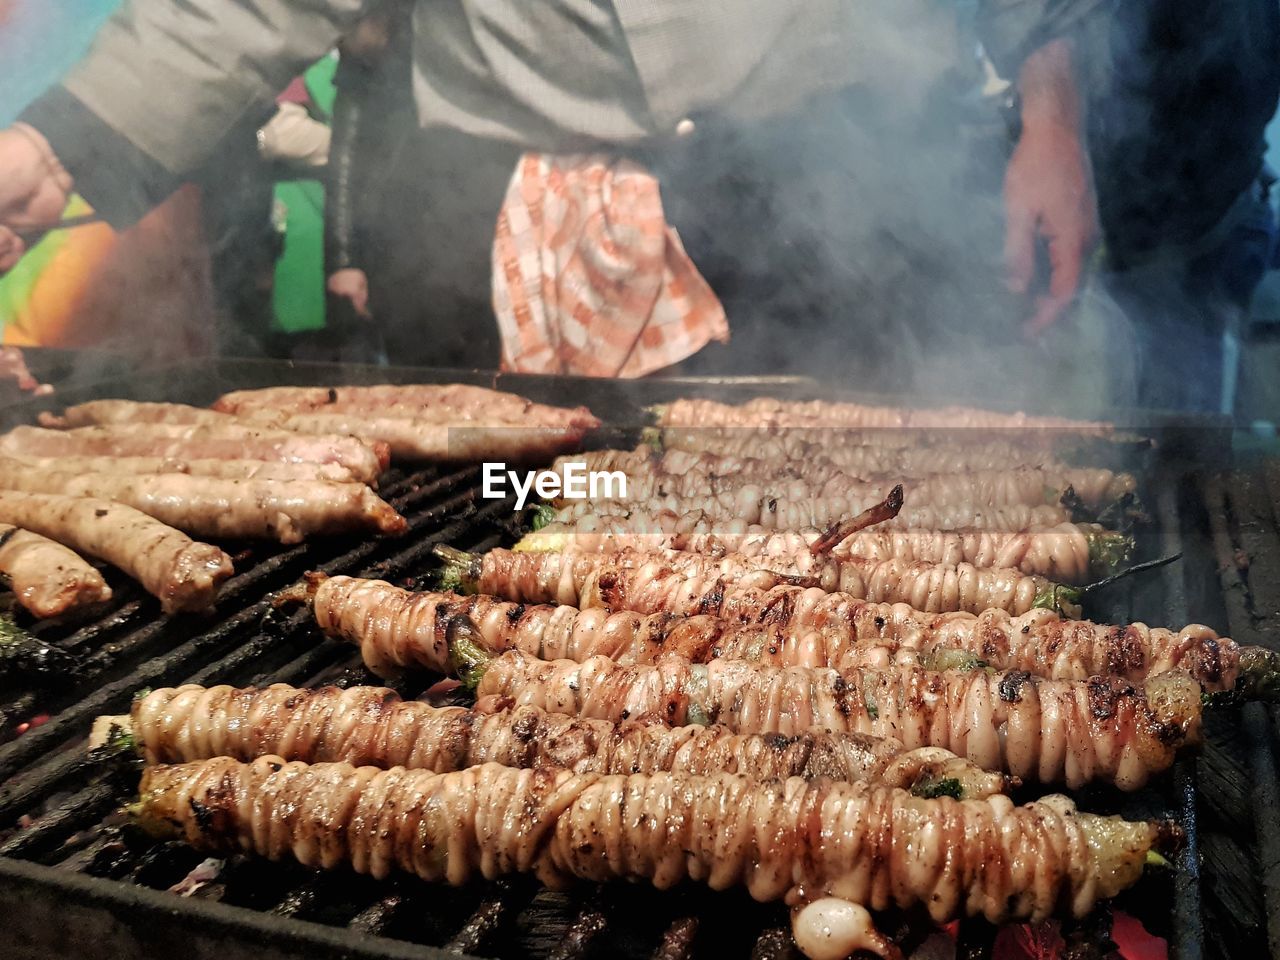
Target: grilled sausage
pixel 457 401
pixel 287 511
pixel 46 577
pixel 199 441
pixel 226 469
pixel 182 573
pixel 104 412
pixel 439 437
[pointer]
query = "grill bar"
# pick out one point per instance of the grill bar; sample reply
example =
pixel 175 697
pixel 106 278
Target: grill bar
pixel 1187 908
pixel 77 813
pixel 1259 724
pixel 1189 944
pixel 1243 508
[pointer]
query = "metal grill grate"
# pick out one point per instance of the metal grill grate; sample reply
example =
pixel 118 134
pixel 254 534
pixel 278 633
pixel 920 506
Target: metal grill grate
pixel 1242 838
pixel 75 880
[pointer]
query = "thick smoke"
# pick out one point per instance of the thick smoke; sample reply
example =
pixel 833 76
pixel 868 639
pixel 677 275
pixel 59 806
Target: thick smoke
pixel 870 252
pixel 857 239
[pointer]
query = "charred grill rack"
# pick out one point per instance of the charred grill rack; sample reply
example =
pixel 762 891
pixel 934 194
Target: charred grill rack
pixel 1242 513
pixel 76 881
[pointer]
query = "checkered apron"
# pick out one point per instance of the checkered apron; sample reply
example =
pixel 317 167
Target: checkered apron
pixel 589 278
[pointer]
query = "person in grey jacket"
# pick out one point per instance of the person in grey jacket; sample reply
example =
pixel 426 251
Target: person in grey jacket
pixel 165 82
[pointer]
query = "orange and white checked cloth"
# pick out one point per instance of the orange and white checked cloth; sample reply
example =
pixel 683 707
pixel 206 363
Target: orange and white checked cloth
pixel 588 277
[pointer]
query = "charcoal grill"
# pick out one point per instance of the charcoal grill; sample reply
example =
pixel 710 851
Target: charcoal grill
pixel 76 882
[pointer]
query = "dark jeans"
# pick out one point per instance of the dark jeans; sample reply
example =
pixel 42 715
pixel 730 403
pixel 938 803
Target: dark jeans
pixel 243 250
pixel 1181 303
pixel 430 240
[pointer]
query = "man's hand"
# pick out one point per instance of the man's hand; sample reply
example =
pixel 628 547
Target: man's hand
pixel 352 284
pixel 1049 186
pixel 34 189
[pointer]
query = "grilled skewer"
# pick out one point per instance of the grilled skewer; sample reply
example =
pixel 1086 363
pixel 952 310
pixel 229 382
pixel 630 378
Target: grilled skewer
pixel 414 431
pixel 756 503
pixel 687 583
pixel 872 453
pixel 682 474
pixel 370 726
pixel 1068 553
pixel 766 411
pixel 397 629
pixel 876 847
pixel 1049 731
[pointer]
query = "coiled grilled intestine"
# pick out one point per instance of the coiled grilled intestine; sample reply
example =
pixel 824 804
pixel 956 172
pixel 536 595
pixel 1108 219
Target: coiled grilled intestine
pixel 684 474
pixel 396 630
pixel 875 845
pixel 681 583
pixel 372 726
pixel 1051 731
pixel 758 503
pixel 1062 553
pixel 867 454
pixel 764 411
